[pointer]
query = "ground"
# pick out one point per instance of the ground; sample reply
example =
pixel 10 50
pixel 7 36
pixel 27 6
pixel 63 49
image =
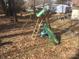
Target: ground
pixel 16 41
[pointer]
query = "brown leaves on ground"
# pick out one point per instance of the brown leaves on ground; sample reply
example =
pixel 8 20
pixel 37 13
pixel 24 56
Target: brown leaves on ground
pixel 23 47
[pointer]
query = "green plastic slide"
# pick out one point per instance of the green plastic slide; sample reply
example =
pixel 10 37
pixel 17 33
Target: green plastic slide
pixel 50 34
pixel 42 12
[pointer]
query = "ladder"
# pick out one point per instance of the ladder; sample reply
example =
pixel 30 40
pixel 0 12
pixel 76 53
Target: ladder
pixel 37 28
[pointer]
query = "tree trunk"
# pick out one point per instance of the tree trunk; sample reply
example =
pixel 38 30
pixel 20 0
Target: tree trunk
pixel 12 9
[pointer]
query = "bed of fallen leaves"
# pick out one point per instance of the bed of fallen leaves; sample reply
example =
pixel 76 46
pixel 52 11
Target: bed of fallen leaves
pixel 22 46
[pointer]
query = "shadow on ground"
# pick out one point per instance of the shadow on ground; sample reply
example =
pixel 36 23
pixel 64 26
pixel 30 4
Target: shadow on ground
pixel 16 34
pixel 76 56
pixel 5 43
pixel 7 27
